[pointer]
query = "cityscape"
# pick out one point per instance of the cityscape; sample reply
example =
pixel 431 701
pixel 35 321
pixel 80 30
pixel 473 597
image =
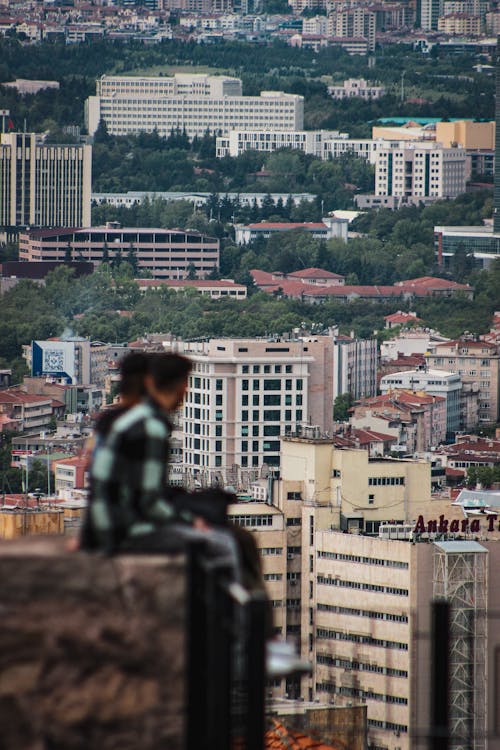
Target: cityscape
pixel 298 202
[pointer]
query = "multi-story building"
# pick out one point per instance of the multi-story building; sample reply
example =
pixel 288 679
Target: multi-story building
pixel 358 88
pixel 321 143
pixel 359 604
pixel 355 366
pixel 194 104
pixel 354 23
pixel 433 381
pixel 460 24
pixel 246 393
pixel 42 184
pixel 326 229
pixel 428 13
pixel 66 360
pixel 166 253
pixel 28 412
pixel 478 364
pixel 419 170
pixel 417 419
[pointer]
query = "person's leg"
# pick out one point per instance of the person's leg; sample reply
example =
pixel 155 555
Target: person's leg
pixel 175 539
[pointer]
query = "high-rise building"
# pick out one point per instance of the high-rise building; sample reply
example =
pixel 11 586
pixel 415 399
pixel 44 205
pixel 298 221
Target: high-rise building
pixel 496 197
pixel 43 184
pixel 420 170
pixel 246 393
pixel 191 103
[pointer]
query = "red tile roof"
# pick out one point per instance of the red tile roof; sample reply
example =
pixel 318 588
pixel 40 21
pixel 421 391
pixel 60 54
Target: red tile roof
pixel 314 273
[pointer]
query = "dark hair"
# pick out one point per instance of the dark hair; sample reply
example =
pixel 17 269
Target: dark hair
pixel 133 369
pixel 169 370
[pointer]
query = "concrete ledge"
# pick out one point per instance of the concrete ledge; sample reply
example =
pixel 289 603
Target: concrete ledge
pixel 91 649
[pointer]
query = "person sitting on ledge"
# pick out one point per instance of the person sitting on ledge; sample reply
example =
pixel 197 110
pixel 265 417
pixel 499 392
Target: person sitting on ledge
pixel 129 506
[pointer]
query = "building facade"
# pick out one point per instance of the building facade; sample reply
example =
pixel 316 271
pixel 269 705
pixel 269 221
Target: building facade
pixel 43 185
pixel 321 143
pixel 433 381
pixel 194 104
pixel 478 364
pixel 357 88
pixel 66 360
pixel 166 253
pixel 419 170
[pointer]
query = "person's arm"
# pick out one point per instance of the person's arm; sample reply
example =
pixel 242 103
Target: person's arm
pixel 151 441
pixel 103 516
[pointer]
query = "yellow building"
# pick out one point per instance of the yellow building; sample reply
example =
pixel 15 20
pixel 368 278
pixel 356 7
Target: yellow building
pixel 467 134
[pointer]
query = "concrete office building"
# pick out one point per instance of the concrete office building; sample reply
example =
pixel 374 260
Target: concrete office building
pixel 321 143
pixel 359 605
pixel 436 383
pixel 67 360
pixel 482 242
pixel 478 364
pixel 196 104
pixel 43 185
pixel 166 253
pixel 246 393
pixel 419 170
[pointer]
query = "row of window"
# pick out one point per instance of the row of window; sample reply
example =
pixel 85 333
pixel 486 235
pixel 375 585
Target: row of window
pixel 330 687
pixel 385 481
pixel 338 635
pixel 329 581
pixel 354 611
pixel 362 559
pixel 263 520
pixel 359 666
pixel 272 384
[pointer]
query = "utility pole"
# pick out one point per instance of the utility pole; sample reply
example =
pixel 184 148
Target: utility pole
pixel 403 85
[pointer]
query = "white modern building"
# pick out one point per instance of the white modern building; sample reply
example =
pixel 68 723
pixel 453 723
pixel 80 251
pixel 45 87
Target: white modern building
pixel 356 88
pixel 195 104
pixel 43 184
pixel 419 170
pixel 66 360
pixel 245 394
pixel 324 144
pixel 436 383
pixel 326 229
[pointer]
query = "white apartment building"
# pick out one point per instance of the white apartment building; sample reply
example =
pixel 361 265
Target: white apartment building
pixel 43 185
pixel 196 104
pixel 478 364
pixel 356 88
pixel 326 229
pixel 355 367
pixel 413 169
pixel 245 394
pixel 325 144
pixel 436 383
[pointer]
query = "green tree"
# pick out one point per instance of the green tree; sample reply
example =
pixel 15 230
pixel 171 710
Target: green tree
pixel 341 407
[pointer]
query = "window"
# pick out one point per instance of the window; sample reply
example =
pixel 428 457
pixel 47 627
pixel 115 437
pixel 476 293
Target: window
pixel 272 385
pixel 244 385
pixel 271 430
pixel 218 399
pixel 294 521
pixel 255 400
pixel 244 415
pixel 244 400
pixel 218 430
pixel 218 384
pixel 371 499
pixel 256 368
pixel 272 399
pixel 256 385
pixel 272 415
pixel 299 384
pixel 218 445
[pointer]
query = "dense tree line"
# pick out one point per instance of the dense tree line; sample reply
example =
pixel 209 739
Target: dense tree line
pixel 432 79
pixel 93 306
